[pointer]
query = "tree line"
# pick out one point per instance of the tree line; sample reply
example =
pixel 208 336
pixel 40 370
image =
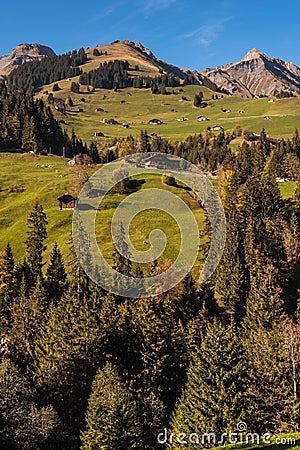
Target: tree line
pixel 114 75
pixel 212 152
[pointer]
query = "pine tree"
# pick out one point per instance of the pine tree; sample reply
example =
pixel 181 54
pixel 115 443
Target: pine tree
pixel 122 263
pixel 28 314
pixel 7 286
pixel 145 142
pixel 215 395
pixel 55 275
pixel 66 356
pixel 231 277
pixel 30 139
pixel 198 99
pixel 273 372
pixel 264 308
pixel 75 87
pixel 112 420
pixel 262 206
pixel 36 235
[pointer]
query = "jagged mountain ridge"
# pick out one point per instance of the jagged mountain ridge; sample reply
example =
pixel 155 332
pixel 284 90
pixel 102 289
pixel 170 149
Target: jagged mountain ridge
pixel 181 73
pixel 23 53
pixel 256 75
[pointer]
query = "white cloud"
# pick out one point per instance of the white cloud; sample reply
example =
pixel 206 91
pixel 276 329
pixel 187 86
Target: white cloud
pixel 208 33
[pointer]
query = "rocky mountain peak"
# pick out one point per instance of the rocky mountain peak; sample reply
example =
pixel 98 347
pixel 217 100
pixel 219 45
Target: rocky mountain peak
pixel 32 50
pixel 256 75
pixel 254 53
pixel 23 53
pixel 139 46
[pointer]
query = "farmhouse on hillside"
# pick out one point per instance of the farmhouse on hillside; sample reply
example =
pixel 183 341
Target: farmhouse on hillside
pixel 66 201
pixel 162 161
pixel 110 121
pixel 155 122
pixel 215 128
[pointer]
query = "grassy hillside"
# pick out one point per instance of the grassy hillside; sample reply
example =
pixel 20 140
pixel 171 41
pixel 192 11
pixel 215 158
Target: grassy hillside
pixel 45 178
pixel 141 106
pixel 120 50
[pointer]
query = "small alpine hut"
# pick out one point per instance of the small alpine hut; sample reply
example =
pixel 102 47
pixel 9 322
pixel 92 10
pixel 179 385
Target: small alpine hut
pixel 162 161
pixel 66 201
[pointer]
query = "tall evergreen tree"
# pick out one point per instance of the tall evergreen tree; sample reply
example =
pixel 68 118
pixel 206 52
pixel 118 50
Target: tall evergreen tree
pixel 66 355
pixel 28 314
pixel 231 278
pixel 112 419
pixel 36 235
pixel 55 275
pixel 215 395
pixel 7 286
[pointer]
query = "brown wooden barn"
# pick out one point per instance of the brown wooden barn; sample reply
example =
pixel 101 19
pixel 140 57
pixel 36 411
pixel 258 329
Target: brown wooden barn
pixel 66 201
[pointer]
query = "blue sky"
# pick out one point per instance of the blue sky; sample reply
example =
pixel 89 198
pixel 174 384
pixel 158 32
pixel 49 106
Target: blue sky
pixel 188 33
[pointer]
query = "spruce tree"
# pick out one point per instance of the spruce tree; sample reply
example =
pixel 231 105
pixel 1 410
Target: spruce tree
pixel 264 308
pixel 55 275
pixel 66 356
pixel 112 420
pixel 28 314
pixel 231 277
pixel 7 286
pixel 273 372
pixel 215 395
pixel 121 261
pixel 36 235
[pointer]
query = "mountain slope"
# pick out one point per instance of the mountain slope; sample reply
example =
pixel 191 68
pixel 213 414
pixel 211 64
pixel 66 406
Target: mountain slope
pixel 23 53
pixel 134 53
pixel 256 75
pixel 141 62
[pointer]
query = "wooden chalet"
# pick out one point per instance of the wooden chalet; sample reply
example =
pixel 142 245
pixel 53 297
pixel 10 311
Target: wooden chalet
pixel 163 161
pixel 66 201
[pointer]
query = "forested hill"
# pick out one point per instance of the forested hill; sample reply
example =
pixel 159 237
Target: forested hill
pixel 34 74
pixel 29 124
pixel 141 67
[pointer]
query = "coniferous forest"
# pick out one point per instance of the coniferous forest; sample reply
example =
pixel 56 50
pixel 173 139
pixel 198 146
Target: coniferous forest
pixel 28 124
pixel 34 74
